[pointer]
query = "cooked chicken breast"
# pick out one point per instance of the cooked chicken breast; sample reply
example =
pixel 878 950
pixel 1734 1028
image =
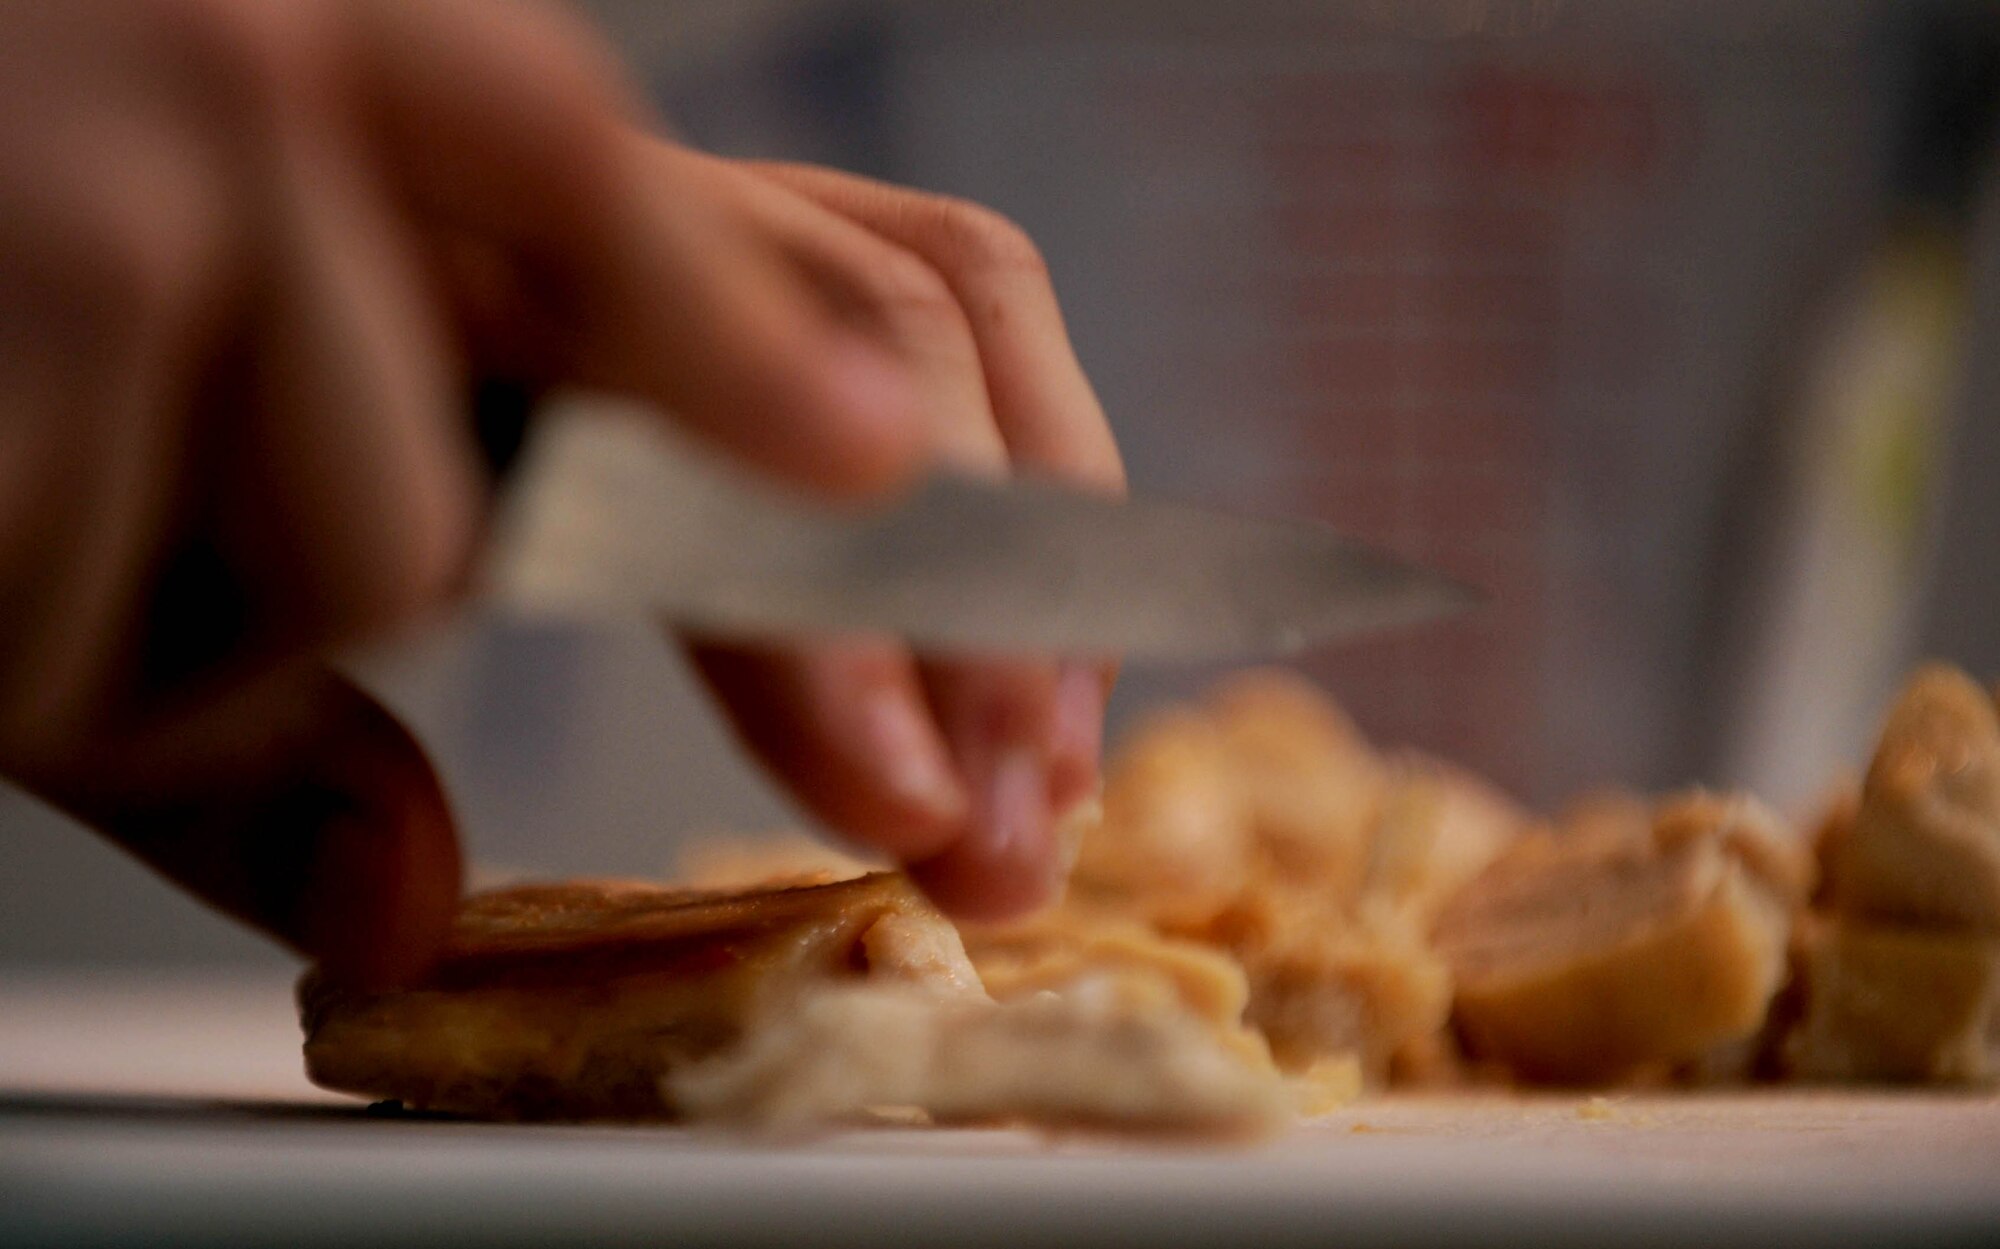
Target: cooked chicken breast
pixel 573 1000
pixel 1614 950
pixel 1924 847
pixel 1897 1004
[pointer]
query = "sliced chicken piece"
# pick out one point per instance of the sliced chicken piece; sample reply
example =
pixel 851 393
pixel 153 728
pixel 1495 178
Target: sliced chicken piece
pixel 1110 1053
pixel 1201 803
pixel 1924 848
pixel 1324 984
pixel 1607 812
pixel 1060 949
pixel 1325 1069
pixel 1614 952
pixel 1838 811
pixel 1439 827
pixel 1898 1004
pixel 1262 825
pixel 1901 970
pixel 570 1000
pixel 763 861
pixel 1310 784
pixel 1174 840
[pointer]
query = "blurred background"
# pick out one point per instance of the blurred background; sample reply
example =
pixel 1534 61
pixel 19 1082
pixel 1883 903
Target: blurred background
pixel 1672 326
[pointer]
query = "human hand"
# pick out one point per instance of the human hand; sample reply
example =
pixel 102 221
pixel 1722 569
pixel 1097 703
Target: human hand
pixel 256 252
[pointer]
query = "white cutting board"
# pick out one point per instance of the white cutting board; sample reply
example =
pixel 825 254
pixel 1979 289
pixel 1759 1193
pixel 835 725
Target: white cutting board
pixel 173 1112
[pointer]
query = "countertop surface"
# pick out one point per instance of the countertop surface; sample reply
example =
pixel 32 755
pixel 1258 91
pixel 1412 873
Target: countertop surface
pixel 172 1111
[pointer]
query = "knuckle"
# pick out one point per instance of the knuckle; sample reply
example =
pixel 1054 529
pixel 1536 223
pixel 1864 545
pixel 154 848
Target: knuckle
pixel 975 238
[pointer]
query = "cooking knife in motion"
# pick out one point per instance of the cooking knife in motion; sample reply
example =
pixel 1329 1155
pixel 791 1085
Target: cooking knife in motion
pixel 610 514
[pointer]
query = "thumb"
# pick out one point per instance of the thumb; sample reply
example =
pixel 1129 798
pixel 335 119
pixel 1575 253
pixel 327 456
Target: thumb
pixel 297 803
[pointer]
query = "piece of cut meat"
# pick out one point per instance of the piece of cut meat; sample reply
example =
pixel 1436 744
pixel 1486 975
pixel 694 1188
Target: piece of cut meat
pixel 1899 1004
pixel 1924 847
pixel 572 1000
pixel 1105 1053
pixel 1614 952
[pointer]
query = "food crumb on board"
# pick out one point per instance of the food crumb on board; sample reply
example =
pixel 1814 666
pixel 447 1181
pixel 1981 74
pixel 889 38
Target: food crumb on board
pixel 1597 1110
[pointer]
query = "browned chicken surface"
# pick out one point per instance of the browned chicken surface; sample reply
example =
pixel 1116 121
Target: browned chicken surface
pixel 574 1000
pixel 1616 949
pixel 1900 970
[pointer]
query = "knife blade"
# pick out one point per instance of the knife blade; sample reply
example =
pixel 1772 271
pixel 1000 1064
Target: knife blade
pixel 610 514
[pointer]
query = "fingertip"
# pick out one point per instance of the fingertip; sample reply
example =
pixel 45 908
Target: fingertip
pixel 1077 743
pixel 965 885
pixel 1006 863
pixel 879 822
pixel 377 910
pixel 381 890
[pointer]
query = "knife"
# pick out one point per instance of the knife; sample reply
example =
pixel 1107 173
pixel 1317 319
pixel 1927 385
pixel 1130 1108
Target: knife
pixel 611 514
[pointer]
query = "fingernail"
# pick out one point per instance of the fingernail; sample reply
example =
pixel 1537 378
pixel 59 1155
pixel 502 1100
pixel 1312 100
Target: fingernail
pixel 911 758
pixel 1079 728
pixel 1005 865
pixel 1070 828
pixel 1013 813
